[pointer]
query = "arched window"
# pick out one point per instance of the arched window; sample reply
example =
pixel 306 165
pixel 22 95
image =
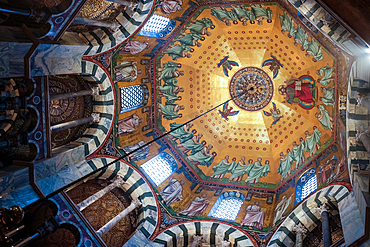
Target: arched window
pixel 157 26
pixel 160 167
pixel 134 97
pixel 306 184
pixel 227 206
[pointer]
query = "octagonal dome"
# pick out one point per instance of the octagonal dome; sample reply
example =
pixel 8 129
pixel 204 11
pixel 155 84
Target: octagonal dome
pixel 264 87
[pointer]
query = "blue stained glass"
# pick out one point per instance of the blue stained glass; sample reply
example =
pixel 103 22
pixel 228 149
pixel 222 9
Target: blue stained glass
pixel 160 167
pixel 306 184
pixel 309 187
pixel 133 97
pixel 157 26
pixel 227 206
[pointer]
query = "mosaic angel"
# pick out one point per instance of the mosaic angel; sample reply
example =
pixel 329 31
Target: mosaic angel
pixel 226 65
pixel 274 64
pixel 226 111
pixel 274 113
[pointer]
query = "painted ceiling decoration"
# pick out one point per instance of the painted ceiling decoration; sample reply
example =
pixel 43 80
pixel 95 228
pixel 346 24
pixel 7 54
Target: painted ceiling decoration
pixel 246 98
pixel 268 128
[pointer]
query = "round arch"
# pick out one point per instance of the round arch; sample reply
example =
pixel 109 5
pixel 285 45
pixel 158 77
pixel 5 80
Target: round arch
pixel 332 194
pixel 181 234
pixel 104 103
pixel 135 186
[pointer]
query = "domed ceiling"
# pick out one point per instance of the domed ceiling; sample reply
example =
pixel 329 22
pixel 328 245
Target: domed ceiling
pixel 260 87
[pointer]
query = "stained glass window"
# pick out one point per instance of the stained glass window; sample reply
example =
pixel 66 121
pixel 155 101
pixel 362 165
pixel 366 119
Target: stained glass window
pixel 306 184
pixel 157 26
pixel 160 167
pixel 134 97
pixel 308 187
pixel 227 206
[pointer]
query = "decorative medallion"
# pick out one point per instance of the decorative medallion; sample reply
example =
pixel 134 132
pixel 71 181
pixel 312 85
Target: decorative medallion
pixel 251 89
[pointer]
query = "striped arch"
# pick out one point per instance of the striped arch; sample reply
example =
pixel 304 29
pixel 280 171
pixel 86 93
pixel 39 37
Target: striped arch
pixel 135 185
pixel 307 214
pixel 129 21
pixel 312 10
pixel 104 103
pixel 182 234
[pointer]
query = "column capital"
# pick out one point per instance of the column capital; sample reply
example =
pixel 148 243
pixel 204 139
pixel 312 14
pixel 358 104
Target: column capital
pixel 299 228
pixel 95 90
pixel 136 202
pixel 118 181
pixel 360 97
pixel 225 243
pixel 96 117
pixel 360 133
pixel 323 208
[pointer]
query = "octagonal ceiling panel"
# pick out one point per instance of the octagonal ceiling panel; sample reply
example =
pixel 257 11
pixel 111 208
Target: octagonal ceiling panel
pixel 249 134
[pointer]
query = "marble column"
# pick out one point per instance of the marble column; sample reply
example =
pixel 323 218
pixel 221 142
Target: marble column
pixel 85 21
pixel 92 91
pixel 134 204
pixel 363 100
pixel 364 138
pixel 95 117
pixel 299 230
pixel 90 200
pixel 326 234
